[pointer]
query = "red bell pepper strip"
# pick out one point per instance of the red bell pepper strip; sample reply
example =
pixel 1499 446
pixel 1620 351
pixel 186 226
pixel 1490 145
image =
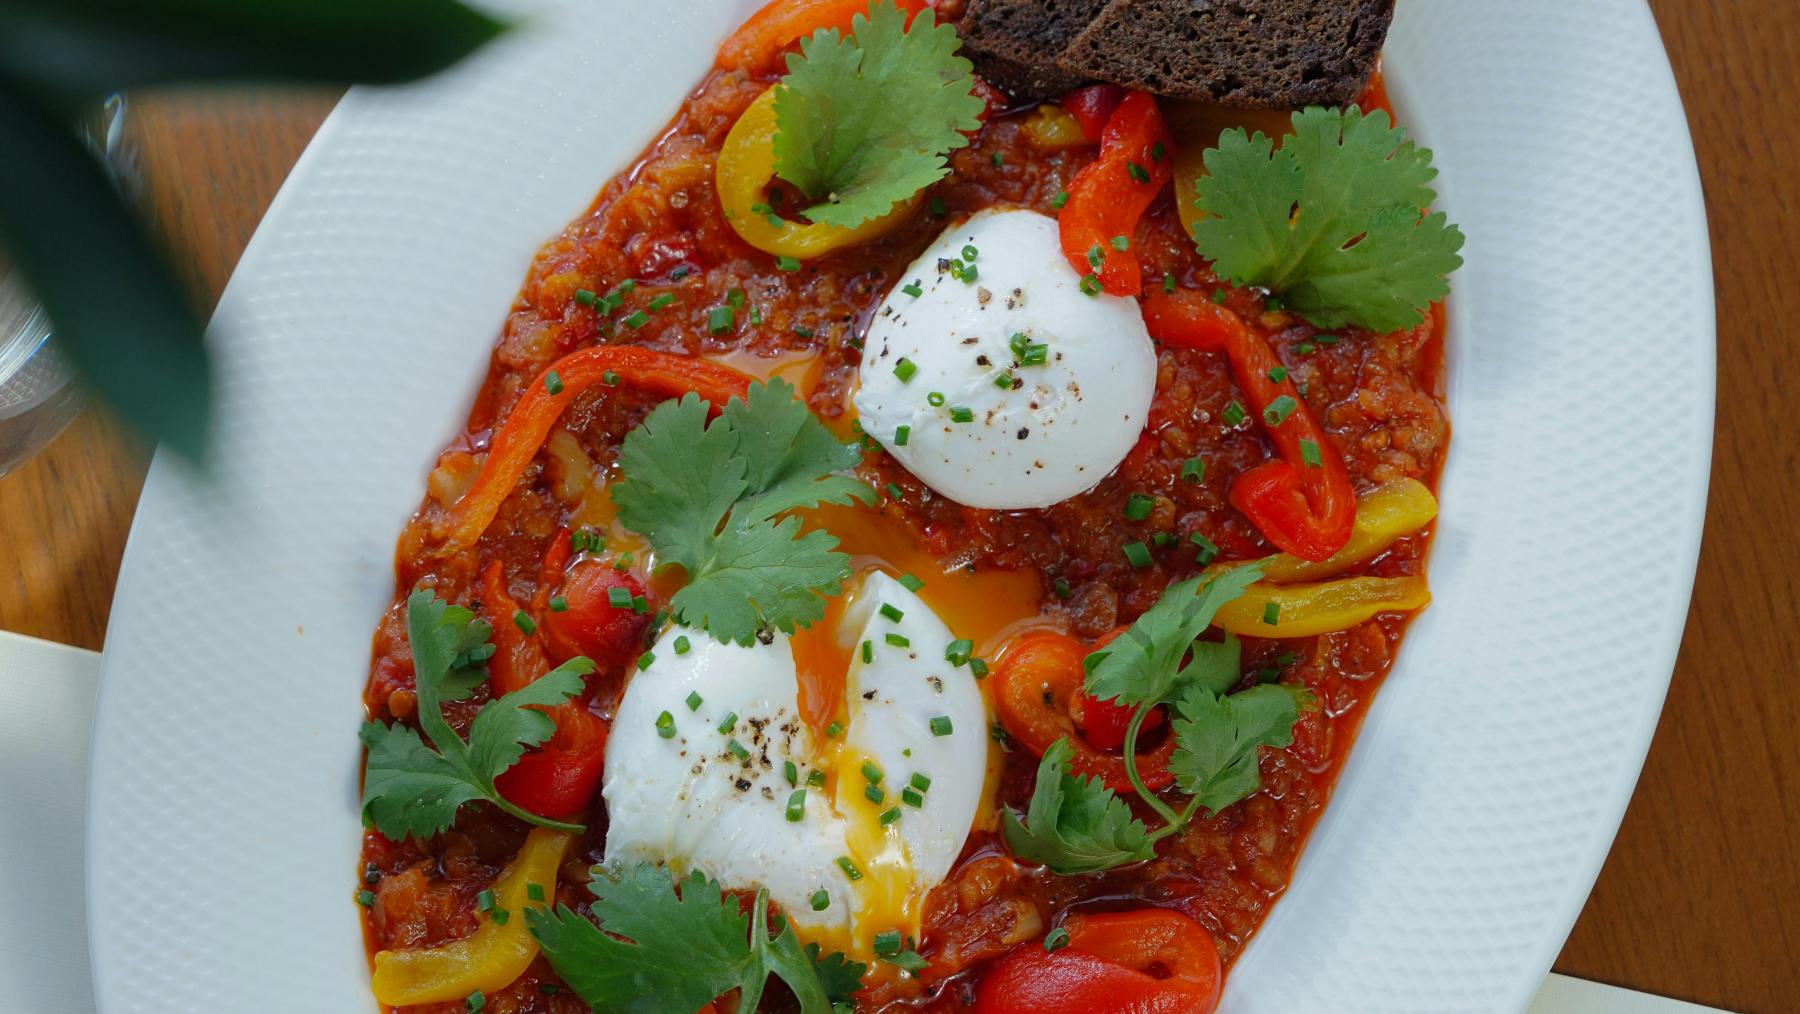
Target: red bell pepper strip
pixel 1303 501
pixel 528 425
pixel 591 624
pixel 1103 722
pixel 1106 967
pixel 1092 106
pixel 1110 195
pixel 759 44
pixel 1035 684
pixel 558 779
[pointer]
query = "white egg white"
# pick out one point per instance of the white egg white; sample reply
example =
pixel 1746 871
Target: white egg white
pixel 1039 434
pixel 692 802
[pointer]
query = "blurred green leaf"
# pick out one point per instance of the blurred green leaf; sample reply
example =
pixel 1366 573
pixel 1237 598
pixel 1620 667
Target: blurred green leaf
pixel 91 47
pixel 119 314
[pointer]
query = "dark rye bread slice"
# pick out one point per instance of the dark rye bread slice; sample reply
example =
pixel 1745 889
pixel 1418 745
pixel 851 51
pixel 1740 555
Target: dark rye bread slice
pixel 1281 54
pixel 1015 43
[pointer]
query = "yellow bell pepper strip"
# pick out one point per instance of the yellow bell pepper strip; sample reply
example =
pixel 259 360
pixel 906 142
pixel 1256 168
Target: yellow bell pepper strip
pixel 1303 610
pixel 1052 128
pixel 747 165
pixel 496 954
pixel 1383 515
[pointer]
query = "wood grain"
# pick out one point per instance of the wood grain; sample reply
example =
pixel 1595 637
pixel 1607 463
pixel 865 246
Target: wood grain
pixel 1700 898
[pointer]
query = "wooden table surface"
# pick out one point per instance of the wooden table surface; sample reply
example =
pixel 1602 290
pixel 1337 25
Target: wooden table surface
pixel 1700 898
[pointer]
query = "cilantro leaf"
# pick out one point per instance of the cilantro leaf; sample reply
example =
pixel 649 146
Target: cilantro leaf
pixel 1332 220
pixel 1217 739
pixel 1143 666
pixel 669 950
pixel 1074 825
pixel 863 122
pixel 710 497
pixel 840 976
pixel 410 788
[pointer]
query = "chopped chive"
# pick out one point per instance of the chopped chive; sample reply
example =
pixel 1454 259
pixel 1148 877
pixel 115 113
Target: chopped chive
pixel 912 798
pixel 905 368
pixel 1138 506
pixel 720 319
pixel 816 779
pixel 728 723
pixel 796 806
pixel 738 750
pixel 958 651
pixel 756 315
pixel 640 605
pixel 868 652
pixel 646 660
pixel 694 700
pixel 969 273
pixel 998 158
pixel 586 297
pixel 1168 284
pixel 534 891
pixel 1091 286
pixel 1234 414
pixel 682 645
pixel 888 944
pixel 559 604
pixel 1278 374
pixel 786 264
pixel 1062 589
pixel 821 900
pixel 1004 381
pixel 911 583
pixel 618 598
pixel 873 773
pixel 1193 469
pixel 935 399
pixel 1061 199
pixel 1056 940
pixel 1138 173
pixel 962 414
pixel 1138 554
pixel 1036 354
pixel 1279 410
pixel 1309 454
pixel 1305 349
pixel 610 378
pixel 873 794
pixel 834 730
pixel 894 491
pixel 897 640
pixel 913 289
pixel 979 667
pixel 553 382
pixel 476 1002
pixel 735 299
pixel 1273 304
pixel 901 435
pixel 1272 613
pixel 662 302
pixel 792 771
pixel 525 623
pixel 1162 540
pixel 1121 243
pixel 665 725
pixel 939 208
pixel 1287 658
pixel 1096 257
pixel 940 726
pixel 969 253
pixel 681 271
pixel 1219 296
pixel 636 320
pixel 890 815
pixel 1156 152
pixel 803 331
pixel 890 613
pixel 365 898
pixel 1327 339
pixel 1209 550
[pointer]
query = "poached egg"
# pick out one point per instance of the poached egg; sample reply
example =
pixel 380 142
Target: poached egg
pixel 1012 388
pixel 847 830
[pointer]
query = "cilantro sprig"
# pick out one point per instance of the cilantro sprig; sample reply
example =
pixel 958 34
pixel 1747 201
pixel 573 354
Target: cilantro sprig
pixel 865 121
pixel 1333 220
pixel 1075 825
pixel 411 788
pixel 665 949
pixel 715 499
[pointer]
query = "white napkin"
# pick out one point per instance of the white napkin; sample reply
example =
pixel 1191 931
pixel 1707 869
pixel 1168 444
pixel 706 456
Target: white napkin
pixel 46 710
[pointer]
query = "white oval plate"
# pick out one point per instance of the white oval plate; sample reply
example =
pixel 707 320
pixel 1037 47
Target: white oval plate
pixel 1491 772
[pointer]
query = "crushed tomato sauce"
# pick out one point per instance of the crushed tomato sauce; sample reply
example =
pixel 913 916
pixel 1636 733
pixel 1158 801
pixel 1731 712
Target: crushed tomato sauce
pixel 660 224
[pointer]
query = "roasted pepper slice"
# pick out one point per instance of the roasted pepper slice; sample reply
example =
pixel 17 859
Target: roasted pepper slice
pixel 496 954
pixel 747 165
pixel 529 423
pixel 1302 610
pixel 759 44
pixel 1383 515
pixel 1107 966
pixel 1303 501
pixel 1110 195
